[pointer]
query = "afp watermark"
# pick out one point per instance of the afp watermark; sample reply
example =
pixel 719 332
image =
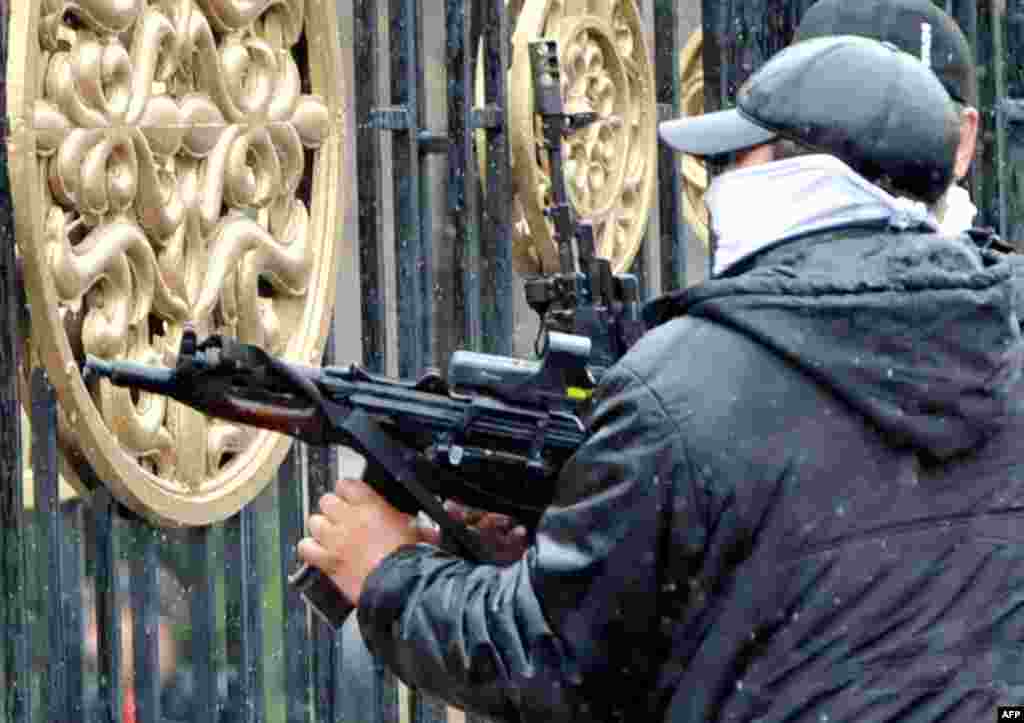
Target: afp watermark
pixel 1010 712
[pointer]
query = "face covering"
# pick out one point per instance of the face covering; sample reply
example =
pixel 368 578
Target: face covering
pixel 959 212
pixel 751 208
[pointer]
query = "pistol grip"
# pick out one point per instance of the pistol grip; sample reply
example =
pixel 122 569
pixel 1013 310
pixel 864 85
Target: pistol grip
pixel 322 596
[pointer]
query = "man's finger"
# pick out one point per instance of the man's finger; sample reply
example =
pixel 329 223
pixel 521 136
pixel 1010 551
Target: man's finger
pixel 355 492
pixel 464 513
pixel 333 507
pixel 312 552
pixel 494 521
pixel 319 526
pixel 430 535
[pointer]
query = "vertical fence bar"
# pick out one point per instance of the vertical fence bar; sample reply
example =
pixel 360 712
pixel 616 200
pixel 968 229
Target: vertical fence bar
pixel 145 604
pixel 203 618
pixel 17 700
pixel 490 23
pixel 675 232
pixel 408 61
pixel 425 266
pixel 498 324
pixel 1002 165
pixel 17 662
pixel 107 602
pixel 988 188
pixel 368 159
pixel 1007 35
pixel 1013 103
pixel 51 524
pixel 296 644
pixel 646 264
pixel 463 175
pixel 326 642
pixel 244 611
pixel 71 551
pixel 405 159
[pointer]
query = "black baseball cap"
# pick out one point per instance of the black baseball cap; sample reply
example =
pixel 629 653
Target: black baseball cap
pixel 876 108
pixel 917 27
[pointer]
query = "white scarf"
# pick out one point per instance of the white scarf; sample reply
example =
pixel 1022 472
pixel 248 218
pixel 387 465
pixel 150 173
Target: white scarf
pixel 753 207
pixel 959 212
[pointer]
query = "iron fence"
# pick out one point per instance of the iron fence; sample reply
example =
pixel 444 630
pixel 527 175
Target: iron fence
pixel 75 568
pixel 251 650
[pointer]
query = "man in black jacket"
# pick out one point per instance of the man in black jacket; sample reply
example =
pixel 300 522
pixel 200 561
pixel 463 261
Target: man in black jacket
pixel 799 497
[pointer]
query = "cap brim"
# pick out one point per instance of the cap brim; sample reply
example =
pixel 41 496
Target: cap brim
pixel 713 134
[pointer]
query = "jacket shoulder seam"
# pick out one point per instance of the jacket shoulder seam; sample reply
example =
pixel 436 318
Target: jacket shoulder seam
pixel 657 399
pixel 679 438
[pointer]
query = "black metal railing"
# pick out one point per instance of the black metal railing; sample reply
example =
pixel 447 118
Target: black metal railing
pixel 251 651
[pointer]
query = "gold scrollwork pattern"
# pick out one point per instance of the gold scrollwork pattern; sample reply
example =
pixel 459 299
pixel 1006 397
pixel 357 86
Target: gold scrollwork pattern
pixel 694 172
pixel 173 162
pixel 610 165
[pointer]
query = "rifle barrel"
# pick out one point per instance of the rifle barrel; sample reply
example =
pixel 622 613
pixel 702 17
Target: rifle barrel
pixel 132 374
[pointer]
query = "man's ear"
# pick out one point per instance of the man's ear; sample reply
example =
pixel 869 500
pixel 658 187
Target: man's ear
pixel 969 122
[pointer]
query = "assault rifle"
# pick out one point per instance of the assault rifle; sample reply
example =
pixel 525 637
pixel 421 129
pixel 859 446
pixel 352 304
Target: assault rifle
pixel 493 434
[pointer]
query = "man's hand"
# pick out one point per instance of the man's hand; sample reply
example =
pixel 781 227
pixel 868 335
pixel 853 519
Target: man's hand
pixel 499 533
pixel 355 529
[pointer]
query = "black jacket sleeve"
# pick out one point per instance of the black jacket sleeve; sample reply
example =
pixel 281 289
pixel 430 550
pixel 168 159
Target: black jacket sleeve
pixel 572 630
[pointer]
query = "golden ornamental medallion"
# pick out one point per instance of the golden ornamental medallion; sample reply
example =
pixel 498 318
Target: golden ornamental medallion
pixel 173 161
